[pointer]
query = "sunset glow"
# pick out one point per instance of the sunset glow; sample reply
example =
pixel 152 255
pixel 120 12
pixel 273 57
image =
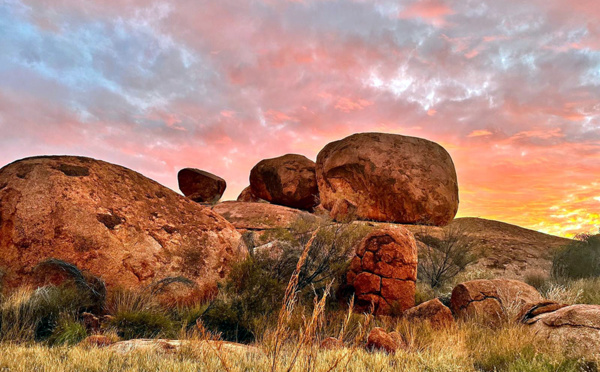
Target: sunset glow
pixel 510 88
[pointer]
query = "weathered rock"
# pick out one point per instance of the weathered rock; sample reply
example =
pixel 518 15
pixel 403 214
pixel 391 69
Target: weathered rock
pixel 288 180
pixel 389 178
pixel 379 339
pixel 201 186
pixel 97 341
pixel 108 220
pixel 331 343
pixel 492 300
pixel 260 216
pixel 531 310
pixel 575 327
pixel 174 346
pixel 433 311
pixel 384 271
pixel 247 196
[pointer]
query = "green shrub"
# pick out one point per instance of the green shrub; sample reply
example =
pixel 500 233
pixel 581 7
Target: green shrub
pixel 579 259
pixel 68 331
pixel 143 324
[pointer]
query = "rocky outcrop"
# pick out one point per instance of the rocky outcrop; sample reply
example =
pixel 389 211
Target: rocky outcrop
pixel 379 339
pixel 388 178
pixel 288 180
pixel 247 196
pixel 260 216
pixel 434 312
pixel 384 271
pixel 108 220
pixel 575 327
pixel 492 300
pixel 201 186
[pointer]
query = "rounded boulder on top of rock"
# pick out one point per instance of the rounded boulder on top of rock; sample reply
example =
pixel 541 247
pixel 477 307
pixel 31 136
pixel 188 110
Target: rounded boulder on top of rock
pixel 388 178
pixel 110 221
pixel 287 180
pixel 492 300
pixel 201 186
pixel 384 270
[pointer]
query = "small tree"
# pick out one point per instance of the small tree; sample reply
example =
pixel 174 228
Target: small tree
pixel 443 257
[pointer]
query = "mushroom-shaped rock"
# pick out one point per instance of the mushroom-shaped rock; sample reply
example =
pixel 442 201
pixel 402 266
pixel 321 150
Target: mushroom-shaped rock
pixel 575 327
pixel 110 221
pixel 201 186
pixel 388 178
pixel 288 180
pixel 379 339
pixel 492 300
pixel 384 270
pixel 260 216
pixel 433 311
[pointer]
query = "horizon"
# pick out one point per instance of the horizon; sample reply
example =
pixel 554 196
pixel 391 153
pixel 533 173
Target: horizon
pixel 510 90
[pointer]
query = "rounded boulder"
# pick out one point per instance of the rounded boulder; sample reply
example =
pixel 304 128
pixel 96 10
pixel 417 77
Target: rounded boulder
pixel 201 186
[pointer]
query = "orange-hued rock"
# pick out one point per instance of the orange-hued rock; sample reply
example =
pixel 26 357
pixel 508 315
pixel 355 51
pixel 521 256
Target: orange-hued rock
pixel 247 196
pixel 492 300
pixel 331 343
pixel 260 216
pixel 576 328
pixel 531 310
pixel 108 220
pixel 287 180
pixel 201 186
pixel 432 311
pixel 384 270
pixel 379 339
pixel 388 178
pixel 174 346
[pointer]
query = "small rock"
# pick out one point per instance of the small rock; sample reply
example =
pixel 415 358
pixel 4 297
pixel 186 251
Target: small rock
pixel 331 343
pixel 433 311
pixel 390 342
pixel 247 196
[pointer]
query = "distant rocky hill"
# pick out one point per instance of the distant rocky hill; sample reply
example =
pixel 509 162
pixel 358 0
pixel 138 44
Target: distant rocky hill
pixel 509 251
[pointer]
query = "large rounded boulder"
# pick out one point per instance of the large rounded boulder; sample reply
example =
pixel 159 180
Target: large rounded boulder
pixel 110 221
pixel 388 178
pixel 288 180
pixel 201 186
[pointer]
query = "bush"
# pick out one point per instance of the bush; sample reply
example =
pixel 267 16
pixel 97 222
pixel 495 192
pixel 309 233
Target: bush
pixel 579 259
pixel 68 331
pixel 441 258
pixel 143 324
pixel 537 279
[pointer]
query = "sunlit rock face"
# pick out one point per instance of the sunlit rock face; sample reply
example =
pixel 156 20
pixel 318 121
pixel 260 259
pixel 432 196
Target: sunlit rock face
pixel 388 178
pixel 109 220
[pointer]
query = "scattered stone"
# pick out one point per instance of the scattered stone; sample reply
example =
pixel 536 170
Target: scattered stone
pixel 331 343
pixel 379 339
pixel 492 300
pixel 288 180
pixel 108 221
pixel 384 271
pixel 201 186
pixel 433 311
pixel 575 327
pixel 388 178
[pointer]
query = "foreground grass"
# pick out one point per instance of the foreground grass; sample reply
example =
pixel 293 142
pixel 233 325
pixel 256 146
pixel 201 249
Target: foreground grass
pixel 466 347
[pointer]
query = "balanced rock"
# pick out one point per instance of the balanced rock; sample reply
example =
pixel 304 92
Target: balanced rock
pixel 388 178
pixel 247 196
pixel 201 186
pixel 492 300
pixel 110 221
pixel 575 327
pixel 384 270
pixel 434 312
pixel 260 216
pixel 288 180
pixel 379 339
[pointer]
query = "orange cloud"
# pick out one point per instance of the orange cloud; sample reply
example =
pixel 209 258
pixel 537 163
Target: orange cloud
pixel 431 11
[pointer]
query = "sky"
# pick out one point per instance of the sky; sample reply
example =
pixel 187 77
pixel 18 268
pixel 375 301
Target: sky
pixel 510 88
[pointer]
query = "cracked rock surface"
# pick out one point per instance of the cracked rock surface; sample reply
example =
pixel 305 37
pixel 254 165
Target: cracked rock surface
pixel 384 270
pixel 109 220
pixel 388 178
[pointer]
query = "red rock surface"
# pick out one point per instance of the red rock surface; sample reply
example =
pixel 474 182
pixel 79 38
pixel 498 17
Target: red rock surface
pixel 108 220
pixel 201 186
pixel 433 311
pixel 259 216
pixel 384 270
pixel 388 178
pixel 491 300
pixel 247 196
pixel 287 180
pixel 379 339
